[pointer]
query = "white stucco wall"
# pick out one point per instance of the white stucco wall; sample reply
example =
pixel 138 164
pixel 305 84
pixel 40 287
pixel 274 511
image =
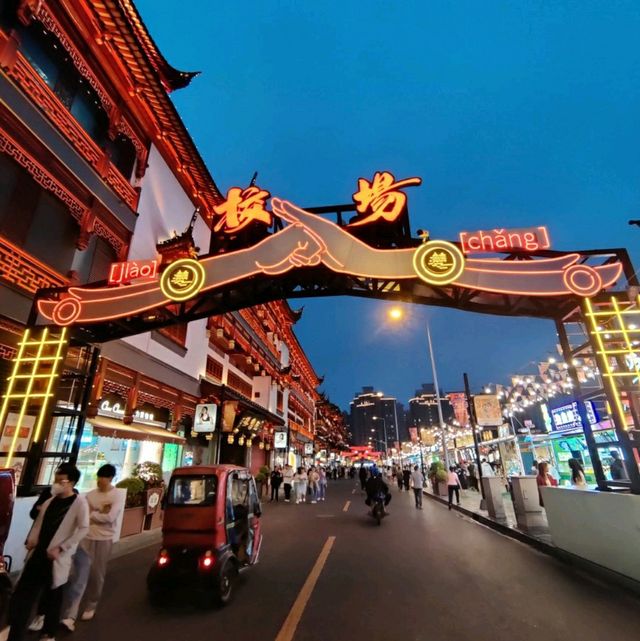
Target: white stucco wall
pixel 164 208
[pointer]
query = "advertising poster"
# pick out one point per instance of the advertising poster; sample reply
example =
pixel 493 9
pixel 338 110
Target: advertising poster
pixel 488 410
pixel 204 420
pixel 22 439
pixel 308 448
pixel 280 440
pixel 458 401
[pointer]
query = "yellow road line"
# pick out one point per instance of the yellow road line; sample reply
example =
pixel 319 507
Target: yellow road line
pixel 346 506
pixel 290 625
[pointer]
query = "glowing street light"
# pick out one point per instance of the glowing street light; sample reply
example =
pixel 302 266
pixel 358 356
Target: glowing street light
pixel 395 313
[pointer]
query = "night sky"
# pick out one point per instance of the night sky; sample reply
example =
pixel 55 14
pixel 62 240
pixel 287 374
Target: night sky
pixel 514 114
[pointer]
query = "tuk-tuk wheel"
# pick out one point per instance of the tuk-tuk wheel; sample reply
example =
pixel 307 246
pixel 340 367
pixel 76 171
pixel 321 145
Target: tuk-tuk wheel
pixel 226 582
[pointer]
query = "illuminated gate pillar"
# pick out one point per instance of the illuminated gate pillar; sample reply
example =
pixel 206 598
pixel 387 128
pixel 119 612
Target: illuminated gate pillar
pixel 613 325
pixel 49 382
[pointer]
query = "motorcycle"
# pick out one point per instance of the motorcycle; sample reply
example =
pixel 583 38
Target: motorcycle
pixel 378 511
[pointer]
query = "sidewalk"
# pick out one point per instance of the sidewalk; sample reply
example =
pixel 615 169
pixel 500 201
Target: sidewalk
pixel 533 529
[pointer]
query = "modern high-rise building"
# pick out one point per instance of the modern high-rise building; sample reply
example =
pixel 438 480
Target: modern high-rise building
pixel 374 417
pixel 423 407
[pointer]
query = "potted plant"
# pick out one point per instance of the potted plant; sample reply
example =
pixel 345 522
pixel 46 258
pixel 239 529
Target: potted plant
pixel 134 511
pixel 438 478
pixel 262 479
pixel 150 474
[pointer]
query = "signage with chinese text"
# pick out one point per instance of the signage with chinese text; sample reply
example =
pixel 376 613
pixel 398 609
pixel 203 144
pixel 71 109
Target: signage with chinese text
pixel 501 240
pixel 567 417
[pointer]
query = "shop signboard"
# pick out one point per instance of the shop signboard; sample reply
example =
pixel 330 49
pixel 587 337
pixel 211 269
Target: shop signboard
pixel 567 416
pixel 229 412
pixel 280 440
pixel 121 273
pixel 488 410
pixel 112 405
pixel 204 420
pixel 248 421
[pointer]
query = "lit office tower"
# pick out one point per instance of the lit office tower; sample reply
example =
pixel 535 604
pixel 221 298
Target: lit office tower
pixel 375 416
pixel 423 407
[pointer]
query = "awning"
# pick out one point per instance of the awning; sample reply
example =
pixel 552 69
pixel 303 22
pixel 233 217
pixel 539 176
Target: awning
pixel 225 393
pixel 114 428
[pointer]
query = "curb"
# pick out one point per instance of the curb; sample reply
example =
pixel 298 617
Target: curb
pixel 577 562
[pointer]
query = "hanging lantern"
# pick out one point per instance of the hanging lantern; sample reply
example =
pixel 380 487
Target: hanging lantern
pixel 261 445
pixel 268 446
pixel 248 442
pixel 241 440
pixel 194 434
pixel 230 439
pixel 209 437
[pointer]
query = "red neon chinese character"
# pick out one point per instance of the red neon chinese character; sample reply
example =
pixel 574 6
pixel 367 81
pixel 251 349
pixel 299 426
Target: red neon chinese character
pixel 382 196
pixel 241 207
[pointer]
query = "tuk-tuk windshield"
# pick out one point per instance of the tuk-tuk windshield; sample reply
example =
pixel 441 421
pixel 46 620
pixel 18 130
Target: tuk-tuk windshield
pixel 193 490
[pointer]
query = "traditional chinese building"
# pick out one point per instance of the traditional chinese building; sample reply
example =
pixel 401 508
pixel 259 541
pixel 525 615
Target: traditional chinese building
pixel 97 167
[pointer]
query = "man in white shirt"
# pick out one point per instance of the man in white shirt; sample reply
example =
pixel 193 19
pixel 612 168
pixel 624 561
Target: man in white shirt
pixel 106 504
pixel 417 483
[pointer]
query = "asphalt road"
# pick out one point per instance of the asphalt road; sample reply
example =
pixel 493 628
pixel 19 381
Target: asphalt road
pixel 423 575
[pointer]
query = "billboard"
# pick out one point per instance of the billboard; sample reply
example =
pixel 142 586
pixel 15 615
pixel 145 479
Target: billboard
pixel 488 410
pixel 280 440
pixel 204 420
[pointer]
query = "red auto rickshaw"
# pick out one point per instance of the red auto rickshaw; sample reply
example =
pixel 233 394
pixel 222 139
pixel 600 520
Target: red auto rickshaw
pixel 210 531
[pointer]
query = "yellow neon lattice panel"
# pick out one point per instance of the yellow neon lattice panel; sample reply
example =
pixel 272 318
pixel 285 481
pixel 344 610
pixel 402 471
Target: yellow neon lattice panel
pixel 31 386
pixel 615 326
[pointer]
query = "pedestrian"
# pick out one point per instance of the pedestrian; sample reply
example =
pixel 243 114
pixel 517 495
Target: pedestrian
pixel 417 483
pixel 276 481
pixel 463 475
pixel 453 485
pixel 399 480
pixel 106 505
pixel 473 477
pixel 313 479
pixel 617 468
pixel 287 478
pixel 300 483
pixel 486 469
pixel 544 479
pixel 38 621
pixel 362 475
pixel 406 478
pixel 322 484
pixel 578 479
pixel 534 468
pixel 62 522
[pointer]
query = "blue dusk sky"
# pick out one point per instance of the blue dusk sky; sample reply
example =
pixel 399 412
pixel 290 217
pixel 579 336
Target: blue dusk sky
pixel 514 114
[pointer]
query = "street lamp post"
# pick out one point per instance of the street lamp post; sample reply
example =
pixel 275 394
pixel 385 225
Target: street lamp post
pixel 384 426
pixel 443 431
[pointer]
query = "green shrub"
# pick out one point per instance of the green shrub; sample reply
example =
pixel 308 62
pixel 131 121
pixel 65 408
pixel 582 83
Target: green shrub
pixel 150 473
pixel 264 470
pixel 135 488
pixel 261 477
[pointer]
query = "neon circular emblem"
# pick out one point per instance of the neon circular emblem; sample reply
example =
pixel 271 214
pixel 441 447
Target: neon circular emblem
pixel 182 279
pixel 582 280
pixel 66 311
pixel 438 262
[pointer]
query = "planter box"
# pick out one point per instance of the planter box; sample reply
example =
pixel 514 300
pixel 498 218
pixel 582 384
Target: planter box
pixel 132 521
pixel 443 488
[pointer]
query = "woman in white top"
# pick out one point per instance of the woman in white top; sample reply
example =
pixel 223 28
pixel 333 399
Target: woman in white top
pixel 578 479
pixel 300 481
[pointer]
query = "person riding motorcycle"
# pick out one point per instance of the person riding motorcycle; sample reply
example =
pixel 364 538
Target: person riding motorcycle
pixel 376 488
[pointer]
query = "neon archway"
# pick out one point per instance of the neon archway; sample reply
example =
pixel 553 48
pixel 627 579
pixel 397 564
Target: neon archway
pixel 260 255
